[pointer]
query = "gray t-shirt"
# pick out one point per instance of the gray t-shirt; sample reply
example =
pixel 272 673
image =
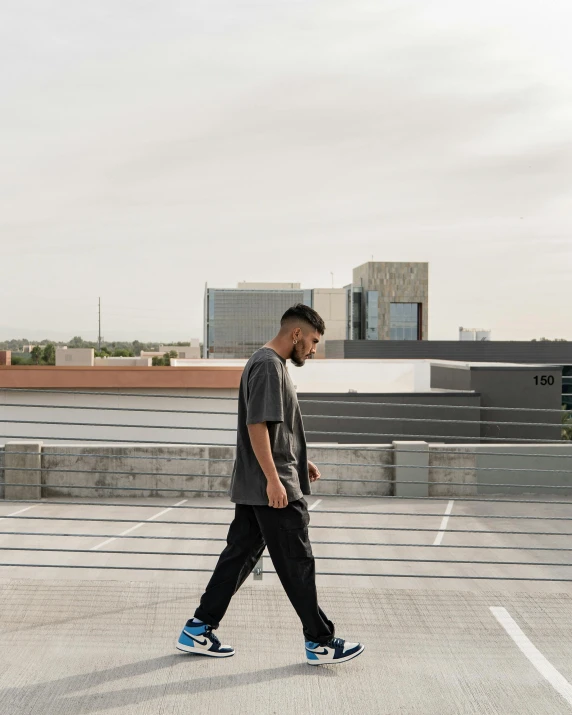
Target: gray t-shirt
pixel 267 395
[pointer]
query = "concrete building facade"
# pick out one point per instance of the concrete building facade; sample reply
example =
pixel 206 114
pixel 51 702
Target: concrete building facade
pixel 388 301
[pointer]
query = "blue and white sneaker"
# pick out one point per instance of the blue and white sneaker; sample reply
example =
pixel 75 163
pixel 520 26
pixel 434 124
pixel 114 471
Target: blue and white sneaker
pixel 335 650
pixel 199 638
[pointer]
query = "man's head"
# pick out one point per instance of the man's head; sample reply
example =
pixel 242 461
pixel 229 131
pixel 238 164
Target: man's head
pixel 301 327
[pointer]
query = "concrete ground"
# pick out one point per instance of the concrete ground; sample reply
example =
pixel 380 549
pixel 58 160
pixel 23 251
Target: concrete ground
pixel 83 640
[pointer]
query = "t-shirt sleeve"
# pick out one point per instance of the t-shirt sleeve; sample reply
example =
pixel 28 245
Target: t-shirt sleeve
pixel 264 400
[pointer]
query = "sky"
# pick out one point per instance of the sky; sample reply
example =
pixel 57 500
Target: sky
pixel 149 148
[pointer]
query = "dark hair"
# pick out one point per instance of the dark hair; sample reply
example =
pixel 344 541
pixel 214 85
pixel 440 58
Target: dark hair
pixel 306 314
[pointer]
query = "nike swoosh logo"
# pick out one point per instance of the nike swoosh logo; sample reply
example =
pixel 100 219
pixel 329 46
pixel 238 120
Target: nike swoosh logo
pixel 203 642
pixel 324 652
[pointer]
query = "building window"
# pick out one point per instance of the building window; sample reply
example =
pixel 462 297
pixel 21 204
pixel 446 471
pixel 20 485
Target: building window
pixel 404 321
pixel 371 315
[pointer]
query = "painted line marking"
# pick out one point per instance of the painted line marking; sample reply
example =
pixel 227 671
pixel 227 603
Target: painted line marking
pixel 448 510
pixel 128 531
pixel 542 665
pixel 315 504
pixel 6 516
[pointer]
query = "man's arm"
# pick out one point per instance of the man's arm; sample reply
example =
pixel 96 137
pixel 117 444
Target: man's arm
pixel 260 441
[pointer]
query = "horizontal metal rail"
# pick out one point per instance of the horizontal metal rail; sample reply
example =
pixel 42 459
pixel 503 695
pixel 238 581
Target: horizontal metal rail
pixel 84 535
pixel 179 490
pixel 161 457
pixel 118 424
pixel 393 418
pixel 46 391
pixel 63 470
pixel 109 440
pixel 126 489
pixel 318 573
pixel 229 429
pixel 313 526
pixel 322 511
pixel 435 450
pixel 413 437
pixel 303 400
pixel 153 410
pixel 318 558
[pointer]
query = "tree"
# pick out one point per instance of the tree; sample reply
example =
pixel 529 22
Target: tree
pixel 566 423
pixel 123 353
pixel 167 357
pixel 49 354
pixel 36 354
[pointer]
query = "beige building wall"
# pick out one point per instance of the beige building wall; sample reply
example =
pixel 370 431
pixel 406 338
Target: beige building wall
pixel 123 362
pixel 330 303
pixel 69 357
pixel 396 283
pixel 187 352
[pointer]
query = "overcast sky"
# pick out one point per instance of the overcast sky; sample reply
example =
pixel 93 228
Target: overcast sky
pixel 149 147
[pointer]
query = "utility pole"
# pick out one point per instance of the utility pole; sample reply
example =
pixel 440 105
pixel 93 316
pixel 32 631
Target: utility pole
pixel 99 328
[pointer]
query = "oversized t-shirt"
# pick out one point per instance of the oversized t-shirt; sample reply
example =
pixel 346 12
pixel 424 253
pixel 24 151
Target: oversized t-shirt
pixel 267 394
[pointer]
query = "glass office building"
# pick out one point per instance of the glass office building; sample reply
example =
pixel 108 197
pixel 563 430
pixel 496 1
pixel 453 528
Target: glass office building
pixel 239 321
pixel 364 320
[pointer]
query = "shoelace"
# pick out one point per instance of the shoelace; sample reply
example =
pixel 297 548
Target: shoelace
pixel 335 643
pixel 210 633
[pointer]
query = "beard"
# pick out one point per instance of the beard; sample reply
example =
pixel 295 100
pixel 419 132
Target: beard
pixel 297 356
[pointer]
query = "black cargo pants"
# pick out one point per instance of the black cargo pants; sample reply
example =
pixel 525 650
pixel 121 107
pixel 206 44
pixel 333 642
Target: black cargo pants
pixel 285 532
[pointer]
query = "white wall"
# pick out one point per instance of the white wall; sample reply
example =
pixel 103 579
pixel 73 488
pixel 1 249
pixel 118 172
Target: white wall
pixel 82 357
pixel 149 424
pixel 361 375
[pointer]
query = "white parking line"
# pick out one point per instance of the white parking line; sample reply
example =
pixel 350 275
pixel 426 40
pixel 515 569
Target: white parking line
pixel 18 512
pixel 544 667
pixel 439 537
pixel 315 504
pixel 127 531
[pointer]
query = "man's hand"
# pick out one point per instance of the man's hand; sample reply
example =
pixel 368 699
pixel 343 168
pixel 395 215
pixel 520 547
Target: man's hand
pixel 313 471
pixel 277 496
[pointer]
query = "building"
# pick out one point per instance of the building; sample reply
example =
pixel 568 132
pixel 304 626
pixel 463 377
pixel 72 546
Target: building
pixel 388 301
pixel 385 301
pixel 122 361
pixel 473 334
pixel 239 320
pixel 80 357
pixel 546 352
pixel 186 352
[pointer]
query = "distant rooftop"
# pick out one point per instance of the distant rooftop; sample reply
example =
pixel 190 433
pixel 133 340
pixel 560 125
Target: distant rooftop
pixel 244 285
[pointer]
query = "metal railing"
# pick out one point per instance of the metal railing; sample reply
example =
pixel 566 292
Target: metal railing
pixel 75 472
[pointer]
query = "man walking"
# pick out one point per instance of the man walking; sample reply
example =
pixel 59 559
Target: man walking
pixel 271 474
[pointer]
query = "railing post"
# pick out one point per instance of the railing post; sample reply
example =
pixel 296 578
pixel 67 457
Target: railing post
pixel 23 465
pixel 411 461
pixel 258 570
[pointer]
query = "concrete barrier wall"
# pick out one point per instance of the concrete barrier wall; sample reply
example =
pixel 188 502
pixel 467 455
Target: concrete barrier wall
pixel 398 469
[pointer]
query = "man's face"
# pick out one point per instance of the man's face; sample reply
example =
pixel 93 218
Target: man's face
pixel 305 347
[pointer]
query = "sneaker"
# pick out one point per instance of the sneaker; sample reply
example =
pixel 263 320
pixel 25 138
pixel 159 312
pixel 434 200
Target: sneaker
pixel 199 638
pixel 335 650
